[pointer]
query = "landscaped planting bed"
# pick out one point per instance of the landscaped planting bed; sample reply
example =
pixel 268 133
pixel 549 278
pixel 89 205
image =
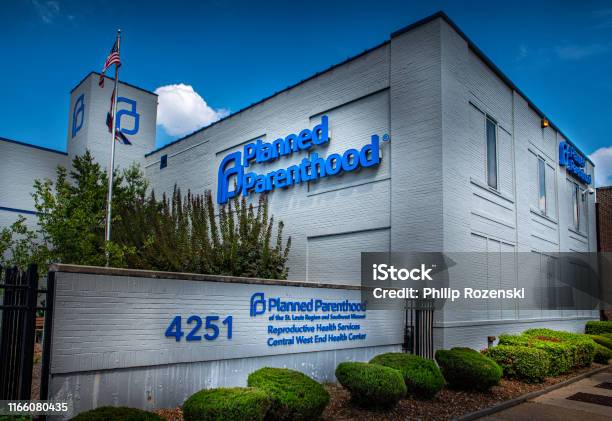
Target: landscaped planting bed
pixel 447 404
pixel 397 386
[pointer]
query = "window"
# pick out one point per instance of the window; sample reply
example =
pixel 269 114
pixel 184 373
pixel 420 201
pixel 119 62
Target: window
pixel 491 153
pixel 576 205
pixel 542 185
pixel 163 162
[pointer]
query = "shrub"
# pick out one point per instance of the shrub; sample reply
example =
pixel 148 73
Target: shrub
pixel 583 346
pixel 294 395
pixel 120 413
pixel 371 385
pixel 566 350
pixel 602 354
pixel 225 404
pixel 602 340
pixel 422 376
pixel 597 327
pixel 468 369
pixel 528 364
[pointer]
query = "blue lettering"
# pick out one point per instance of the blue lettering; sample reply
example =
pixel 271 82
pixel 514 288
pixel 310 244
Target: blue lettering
pixel 309 169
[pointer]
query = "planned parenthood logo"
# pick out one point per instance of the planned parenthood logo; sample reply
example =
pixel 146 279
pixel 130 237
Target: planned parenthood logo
pixel 258 304
pixel 234 180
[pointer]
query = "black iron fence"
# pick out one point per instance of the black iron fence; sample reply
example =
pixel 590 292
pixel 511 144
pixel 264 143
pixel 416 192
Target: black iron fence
pixel 17 337
pixel 418 330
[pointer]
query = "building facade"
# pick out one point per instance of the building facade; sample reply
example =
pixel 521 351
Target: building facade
pixel 458 159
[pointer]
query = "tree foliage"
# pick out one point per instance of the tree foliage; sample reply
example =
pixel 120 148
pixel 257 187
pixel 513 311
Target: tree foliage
pixel 18 245
pixel 182 233
pixel 185 234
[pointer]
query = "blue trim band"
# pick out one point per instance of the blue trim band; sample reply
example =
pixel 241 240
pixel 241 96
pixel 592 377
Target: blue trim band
pixel 27 212
pixel 42 148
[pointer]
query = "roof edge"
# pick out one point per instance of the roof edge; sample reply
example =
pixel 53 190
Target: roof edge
pixel 295 85
pixel 29 145
pixel 438 15
pixel 111 78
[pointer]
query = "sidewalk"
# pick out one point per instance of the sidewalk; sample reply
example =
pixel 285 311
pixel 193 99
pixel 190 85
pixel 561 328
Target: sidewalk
pixel 556 406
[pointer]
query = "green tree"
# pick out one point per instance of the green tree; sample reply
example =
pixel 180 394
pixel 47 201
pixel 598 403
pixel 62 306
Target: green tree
pixel 178 233
pixel 18 245
pixel 72 212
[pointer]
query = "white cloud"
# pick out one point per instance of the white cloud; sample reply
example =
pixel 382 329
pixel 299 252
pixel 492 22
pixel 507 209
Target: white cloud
pixel 182 110
pixel 48 10
pixel 602 158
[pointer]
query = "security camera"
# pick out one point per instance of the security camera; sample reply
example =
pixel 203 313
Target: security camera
pixel 589 190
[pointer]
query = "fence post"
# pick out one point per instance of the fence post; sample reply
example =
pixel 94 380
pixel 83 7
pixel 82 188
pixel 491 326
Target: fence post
pixel 46 356
pixel 29 328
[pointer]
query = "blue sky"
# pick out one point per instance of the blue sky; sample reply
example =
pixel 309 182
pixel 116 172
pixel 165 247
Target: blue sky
pixel 221 56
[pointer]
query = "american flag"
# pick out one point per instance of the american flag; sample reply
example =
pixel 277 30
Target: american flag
pixel 113 58
pixel 119 137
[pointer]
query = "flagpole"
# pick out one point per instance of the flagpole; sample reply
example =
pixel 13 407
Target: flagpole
pixel 111 167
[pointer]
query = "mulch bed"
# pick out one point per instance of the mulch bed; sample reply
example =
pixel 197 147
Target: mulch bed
pixel 448 404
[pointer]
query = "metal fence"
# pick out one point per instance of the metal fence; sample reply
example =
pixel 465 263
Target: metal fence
pixel 17 337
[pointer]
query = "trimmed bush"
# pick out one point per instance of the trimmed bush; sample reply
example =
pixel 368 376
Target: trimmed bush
pixel 371 385
pixel 227 404
pixel 566 350
pixel 602 340
pixel 294 395
pixel 527 364
pixel 422 376
pixel 120 413
pixel 468 369
pixel 583 346
pixel 602 354
pixel 597 327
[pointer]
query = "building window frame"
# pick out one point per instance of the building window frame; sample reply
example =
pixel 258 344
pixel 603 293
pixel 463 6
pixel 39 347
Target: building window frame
pixel 492 168
pixel 576 203
pixel 542 198
pixel 163 162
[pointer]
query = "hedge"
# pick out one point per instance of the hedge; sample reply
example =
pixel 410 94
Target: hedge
pixel 597 327
pixel 294 395
pixel 602 340
pixel 602 354
pixel 422 376
pixel 566 350
pixel 468 369
pixel 527 364
pixel 584 348
pixel 371 385
pixel 227 404
pixel 118 413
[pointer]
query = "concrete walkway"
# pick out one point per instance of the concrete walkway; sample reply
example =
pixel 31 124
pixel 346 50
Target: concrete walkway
pixel 555 405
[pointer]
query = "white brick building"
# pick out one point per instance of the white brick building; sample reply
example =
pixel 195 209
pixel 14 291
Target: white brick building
pixel 470 165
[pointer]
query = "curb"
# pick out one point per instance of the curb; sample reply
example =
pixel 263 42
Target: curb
pixel 523 398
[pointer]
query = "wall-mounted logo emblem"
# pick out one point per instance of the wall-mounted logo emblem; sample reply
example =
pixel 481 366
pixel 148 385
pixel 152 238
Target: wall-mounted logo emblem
pixel 129 114
pixel 574 162
pixel 258 304
pixel 78 115
pixel 232 180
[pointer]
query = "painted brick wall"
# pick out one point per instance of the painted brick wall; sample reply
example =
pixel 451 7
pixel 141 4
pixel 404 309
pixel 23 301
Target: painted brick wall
pixel 109 345
pixel 94 135
pixel 21 166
